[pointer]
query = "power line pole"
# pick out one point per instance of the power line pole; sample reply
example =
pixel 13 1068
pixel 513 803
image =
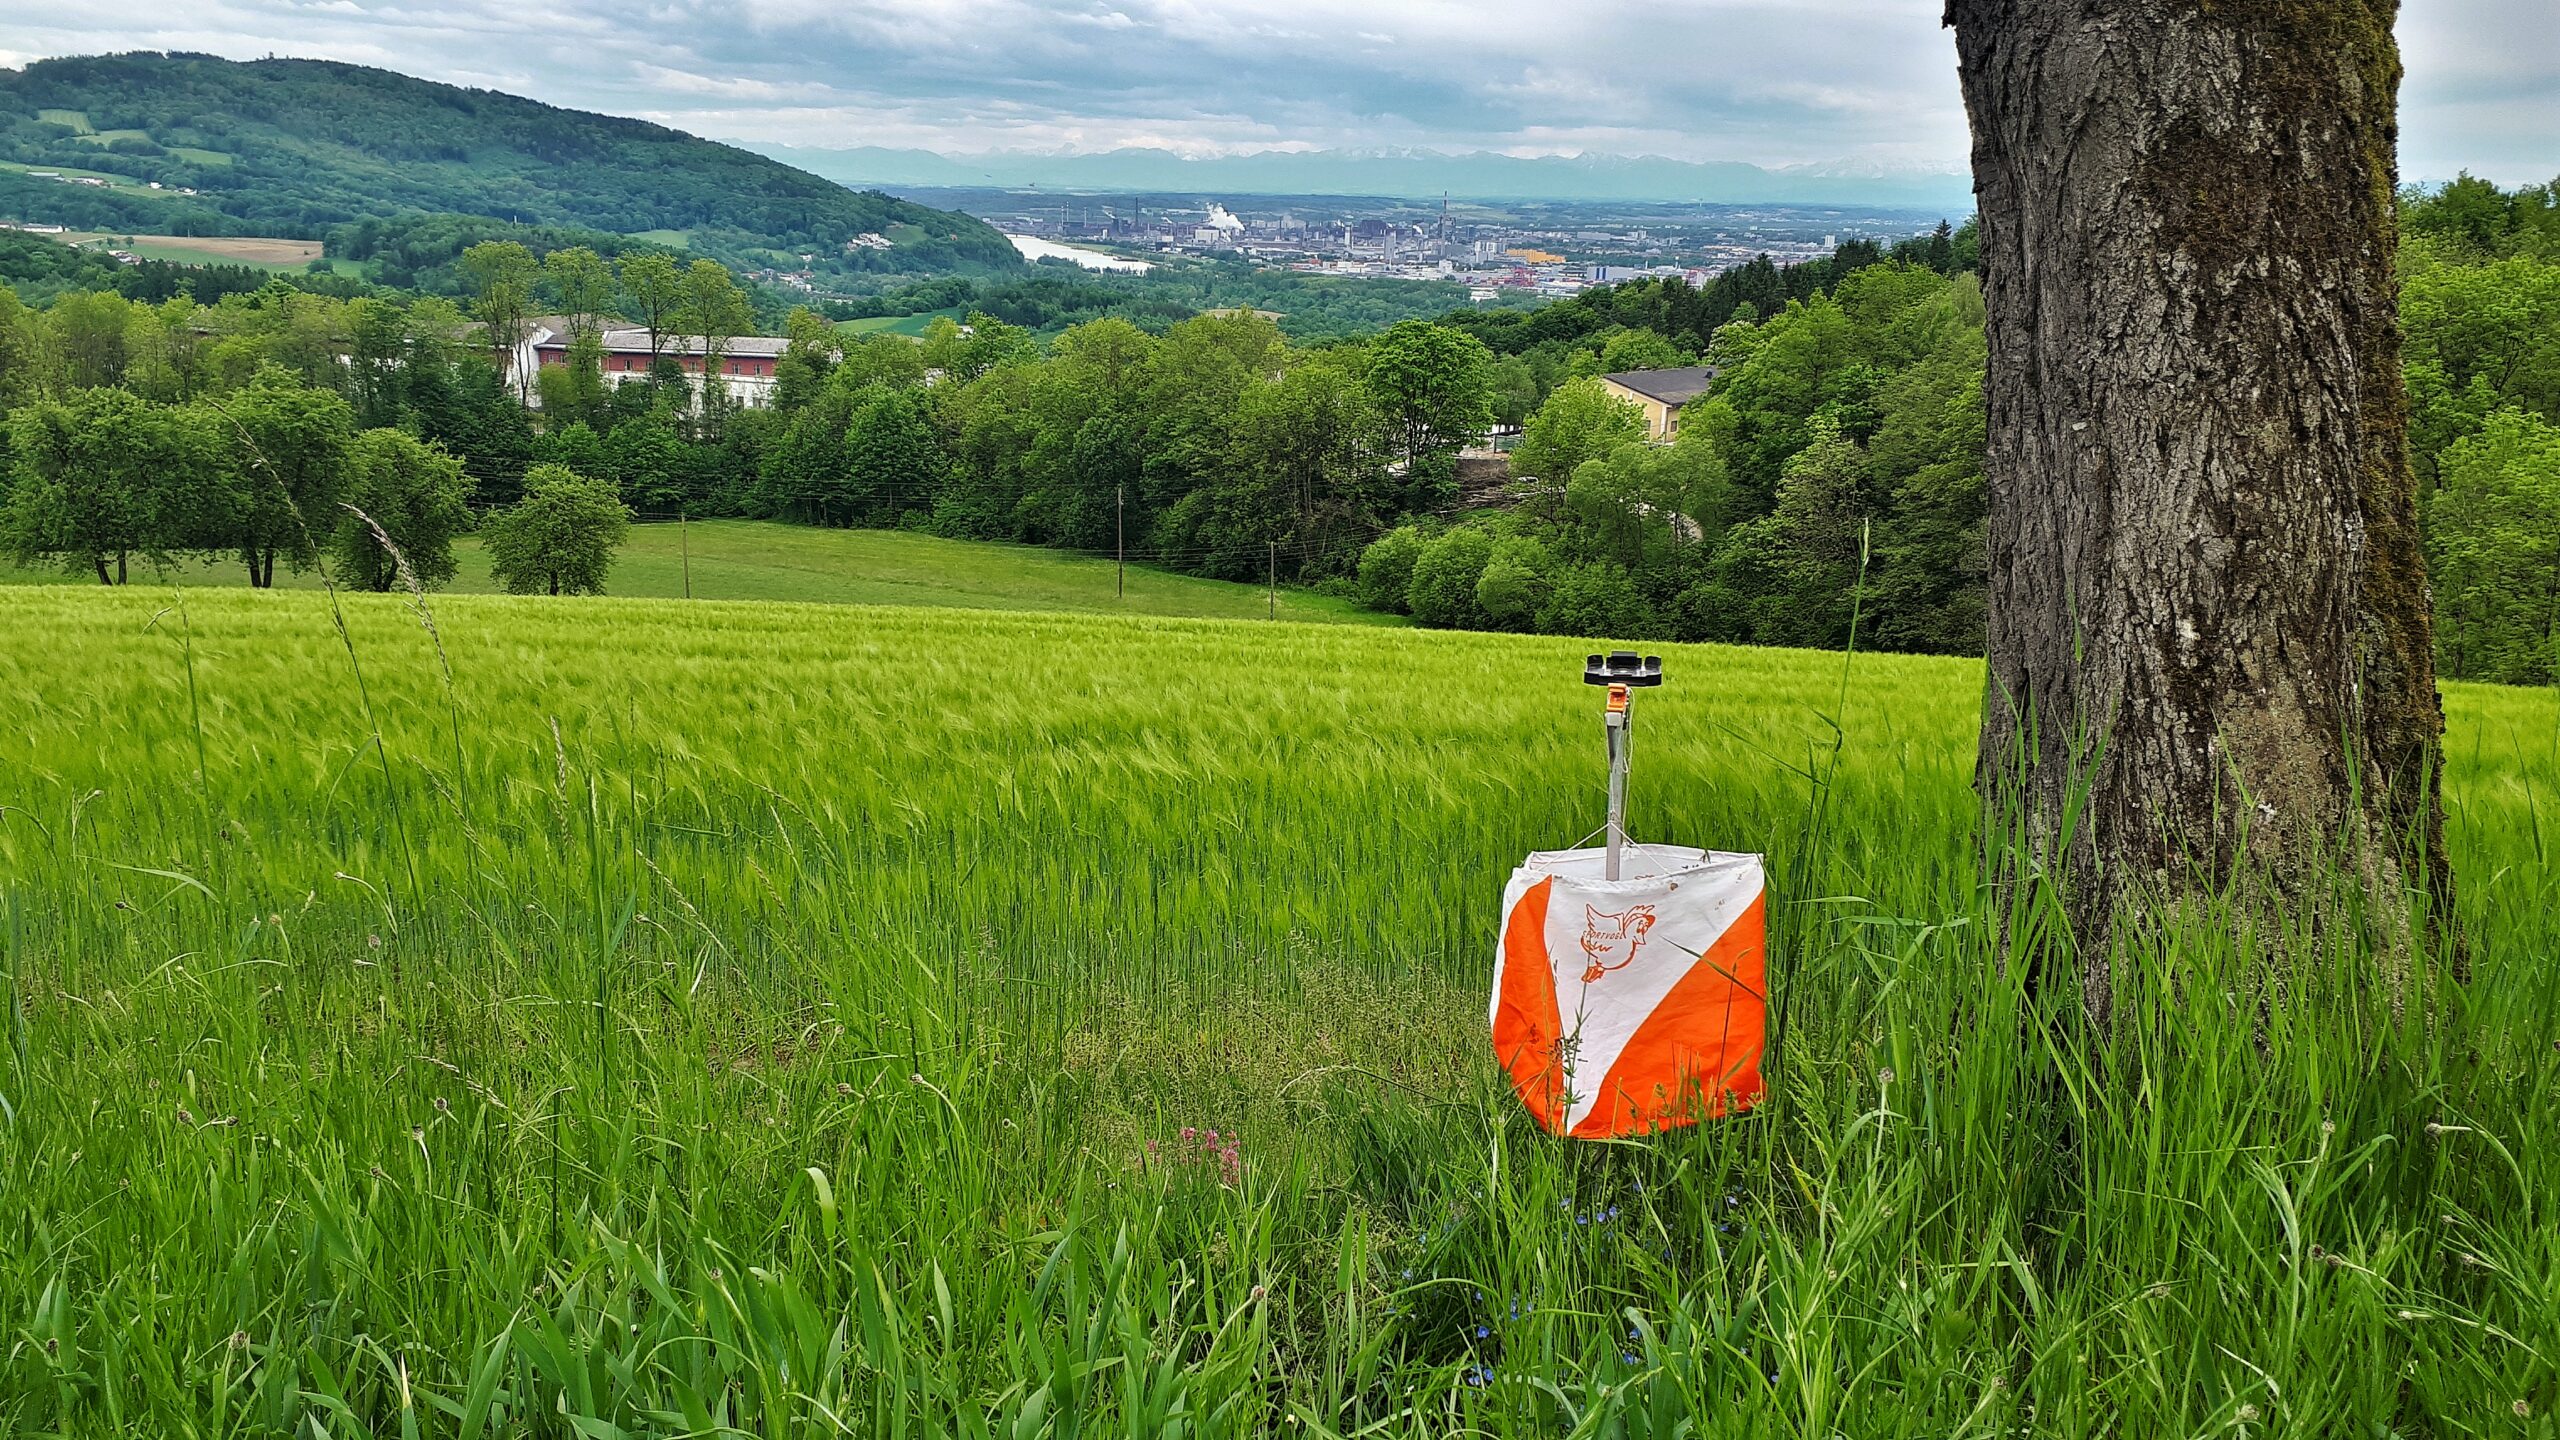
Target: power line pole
pixel 1120 532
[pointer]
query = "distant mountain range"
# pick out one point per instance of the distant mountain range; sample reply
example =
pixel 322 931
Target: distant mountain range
pixel 1410 174
pixel 195 144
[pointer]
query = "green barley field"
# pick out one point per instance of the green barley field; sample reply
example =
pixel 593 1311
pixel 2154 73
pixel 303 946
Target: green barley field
pixel 601 1018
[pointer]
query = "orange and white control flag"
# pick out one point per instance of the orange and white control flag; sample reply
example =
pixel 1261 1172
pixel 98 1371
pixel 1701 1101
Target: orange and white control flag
pixel 1627 1006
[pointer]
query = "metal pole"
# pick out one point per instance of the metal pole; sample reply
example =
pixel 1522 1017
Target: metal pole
pixel 684 542
pixel 1120 533
pixel 1621 731
pixel 1273 594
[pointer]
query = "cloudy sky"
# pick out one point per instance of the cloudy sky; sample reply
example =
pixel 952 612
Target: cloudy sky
pixel 1769 81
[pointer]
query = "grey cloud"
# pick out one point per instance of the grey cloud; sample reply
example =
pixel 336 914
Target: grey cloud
pixel 1771 81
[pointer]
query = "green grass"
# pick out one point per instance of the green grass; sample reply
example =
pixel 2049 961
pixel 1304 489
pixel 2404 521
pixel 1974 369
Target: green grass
pixel 676 239
pixel 78 120
pixel 761 560
pixel 195 156
pixel 912 326
pixel 109 137
pixel 124 183
pixel 736 1019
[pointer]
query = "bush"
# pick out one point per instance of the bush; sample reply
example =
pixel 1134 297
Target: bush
pixel 1706 611
pixel 1598 600
pixel 1516 581
pixel 1386 568
pixel 1443 589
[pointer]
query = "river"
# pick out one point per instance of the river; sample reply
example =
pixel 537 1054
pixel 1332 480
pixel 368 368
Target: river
pixel 1035 248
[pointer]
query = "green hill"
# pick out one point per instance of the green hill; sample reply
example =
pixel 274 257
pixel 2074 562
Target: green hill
pixel 296 147
pixel 760 560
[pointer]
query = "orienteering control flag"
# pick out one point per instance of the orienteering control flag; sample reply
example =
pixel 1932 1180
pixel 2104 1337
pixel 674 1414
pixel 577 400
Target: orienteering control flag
pixel 1626 1006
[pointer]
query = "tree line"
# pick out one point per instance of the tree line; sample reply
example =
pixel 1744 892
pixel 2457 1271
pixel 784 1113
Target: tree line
pixel 1832 479
pixel 282 430
pixel 2480 310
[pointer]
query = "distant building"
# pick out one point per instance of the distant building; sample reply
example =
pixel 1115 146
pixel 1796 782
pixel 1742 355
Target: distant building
pixel 746 361
pixel 1660 394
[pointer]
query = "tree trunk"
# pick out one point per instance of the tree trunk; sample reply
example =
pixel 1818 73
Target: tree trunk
pixel 2208 600
pixel 101 562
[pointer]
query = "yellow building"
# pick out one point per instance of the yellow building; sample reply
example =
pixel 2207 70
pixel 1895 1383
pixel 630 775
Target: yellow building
pixel 1660 394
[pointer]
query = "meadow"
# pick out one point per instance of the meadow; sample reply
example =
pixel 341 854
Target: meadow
pixel 768 560
pixel 265 252
pixel 621 1017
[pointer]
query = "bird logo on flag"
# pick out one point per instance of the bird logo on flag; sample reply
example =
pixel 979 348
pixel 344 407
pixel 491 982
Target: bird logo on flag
pixel 1610 941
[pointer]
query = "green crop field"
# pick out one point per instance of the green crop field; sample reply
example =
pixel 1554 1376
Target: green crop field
pixel 622 1017
pixel 911 326
pixel 124 184
pixel 761 560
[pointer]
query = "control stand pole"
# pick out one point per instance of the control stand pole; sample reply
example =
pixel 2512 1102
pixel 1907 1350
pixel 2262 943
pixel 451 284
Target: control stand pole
pixel 1622 672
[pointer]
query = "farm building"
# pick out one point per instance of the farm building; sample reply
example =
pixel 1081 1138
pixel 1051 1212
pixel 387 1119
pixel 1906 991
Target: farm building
pixel 1660 394
pixel 746 361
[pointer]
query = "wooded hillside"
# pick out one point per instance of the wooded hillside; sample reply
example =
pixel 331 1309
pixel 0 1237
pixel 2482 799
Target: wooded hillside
pixel 295 147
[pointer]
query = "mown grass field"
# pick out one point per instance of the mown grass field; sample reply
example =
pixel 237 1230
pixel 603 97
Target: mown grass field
pixel 123 184
pixel 625 1017
pixel 264 252
pixel 763 560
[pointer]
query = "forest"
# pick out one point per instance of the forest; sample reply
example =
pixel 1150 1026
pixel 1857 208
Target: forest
pixel 1057 294
pixel 1827 491
pixel 296 147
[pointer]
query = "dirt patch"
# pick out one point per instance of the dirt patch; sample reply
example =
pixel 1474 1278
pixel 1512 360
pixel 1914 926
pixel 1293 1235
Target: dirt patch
pixel 237 249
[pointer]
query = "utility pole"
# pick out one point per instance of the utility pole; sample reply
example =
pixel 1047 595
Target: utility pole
pixel 1120 532
pixel 684 544
pixel 1272 595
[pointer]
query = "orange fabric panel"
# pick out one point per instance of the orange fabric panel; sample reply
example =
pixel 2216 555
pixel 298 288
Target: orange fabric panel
pixel 1700 1047
pixel 1527 1028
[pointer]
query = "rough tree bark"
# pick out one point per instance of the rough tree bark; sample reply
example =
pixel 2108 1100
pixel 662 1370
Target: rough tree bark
pixel 2208 600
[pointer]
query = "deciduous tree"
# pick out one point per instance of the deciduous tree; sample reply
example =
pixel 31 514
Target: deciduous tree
pixel 715 312
pixel 289 444
pixel 2210 651
pixel 1433 386
pixel 1581 421
pixel 655 286
pixel 583 285
pixel 105 475
pixel 560 538
pixel 415 494
pixel 502 274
